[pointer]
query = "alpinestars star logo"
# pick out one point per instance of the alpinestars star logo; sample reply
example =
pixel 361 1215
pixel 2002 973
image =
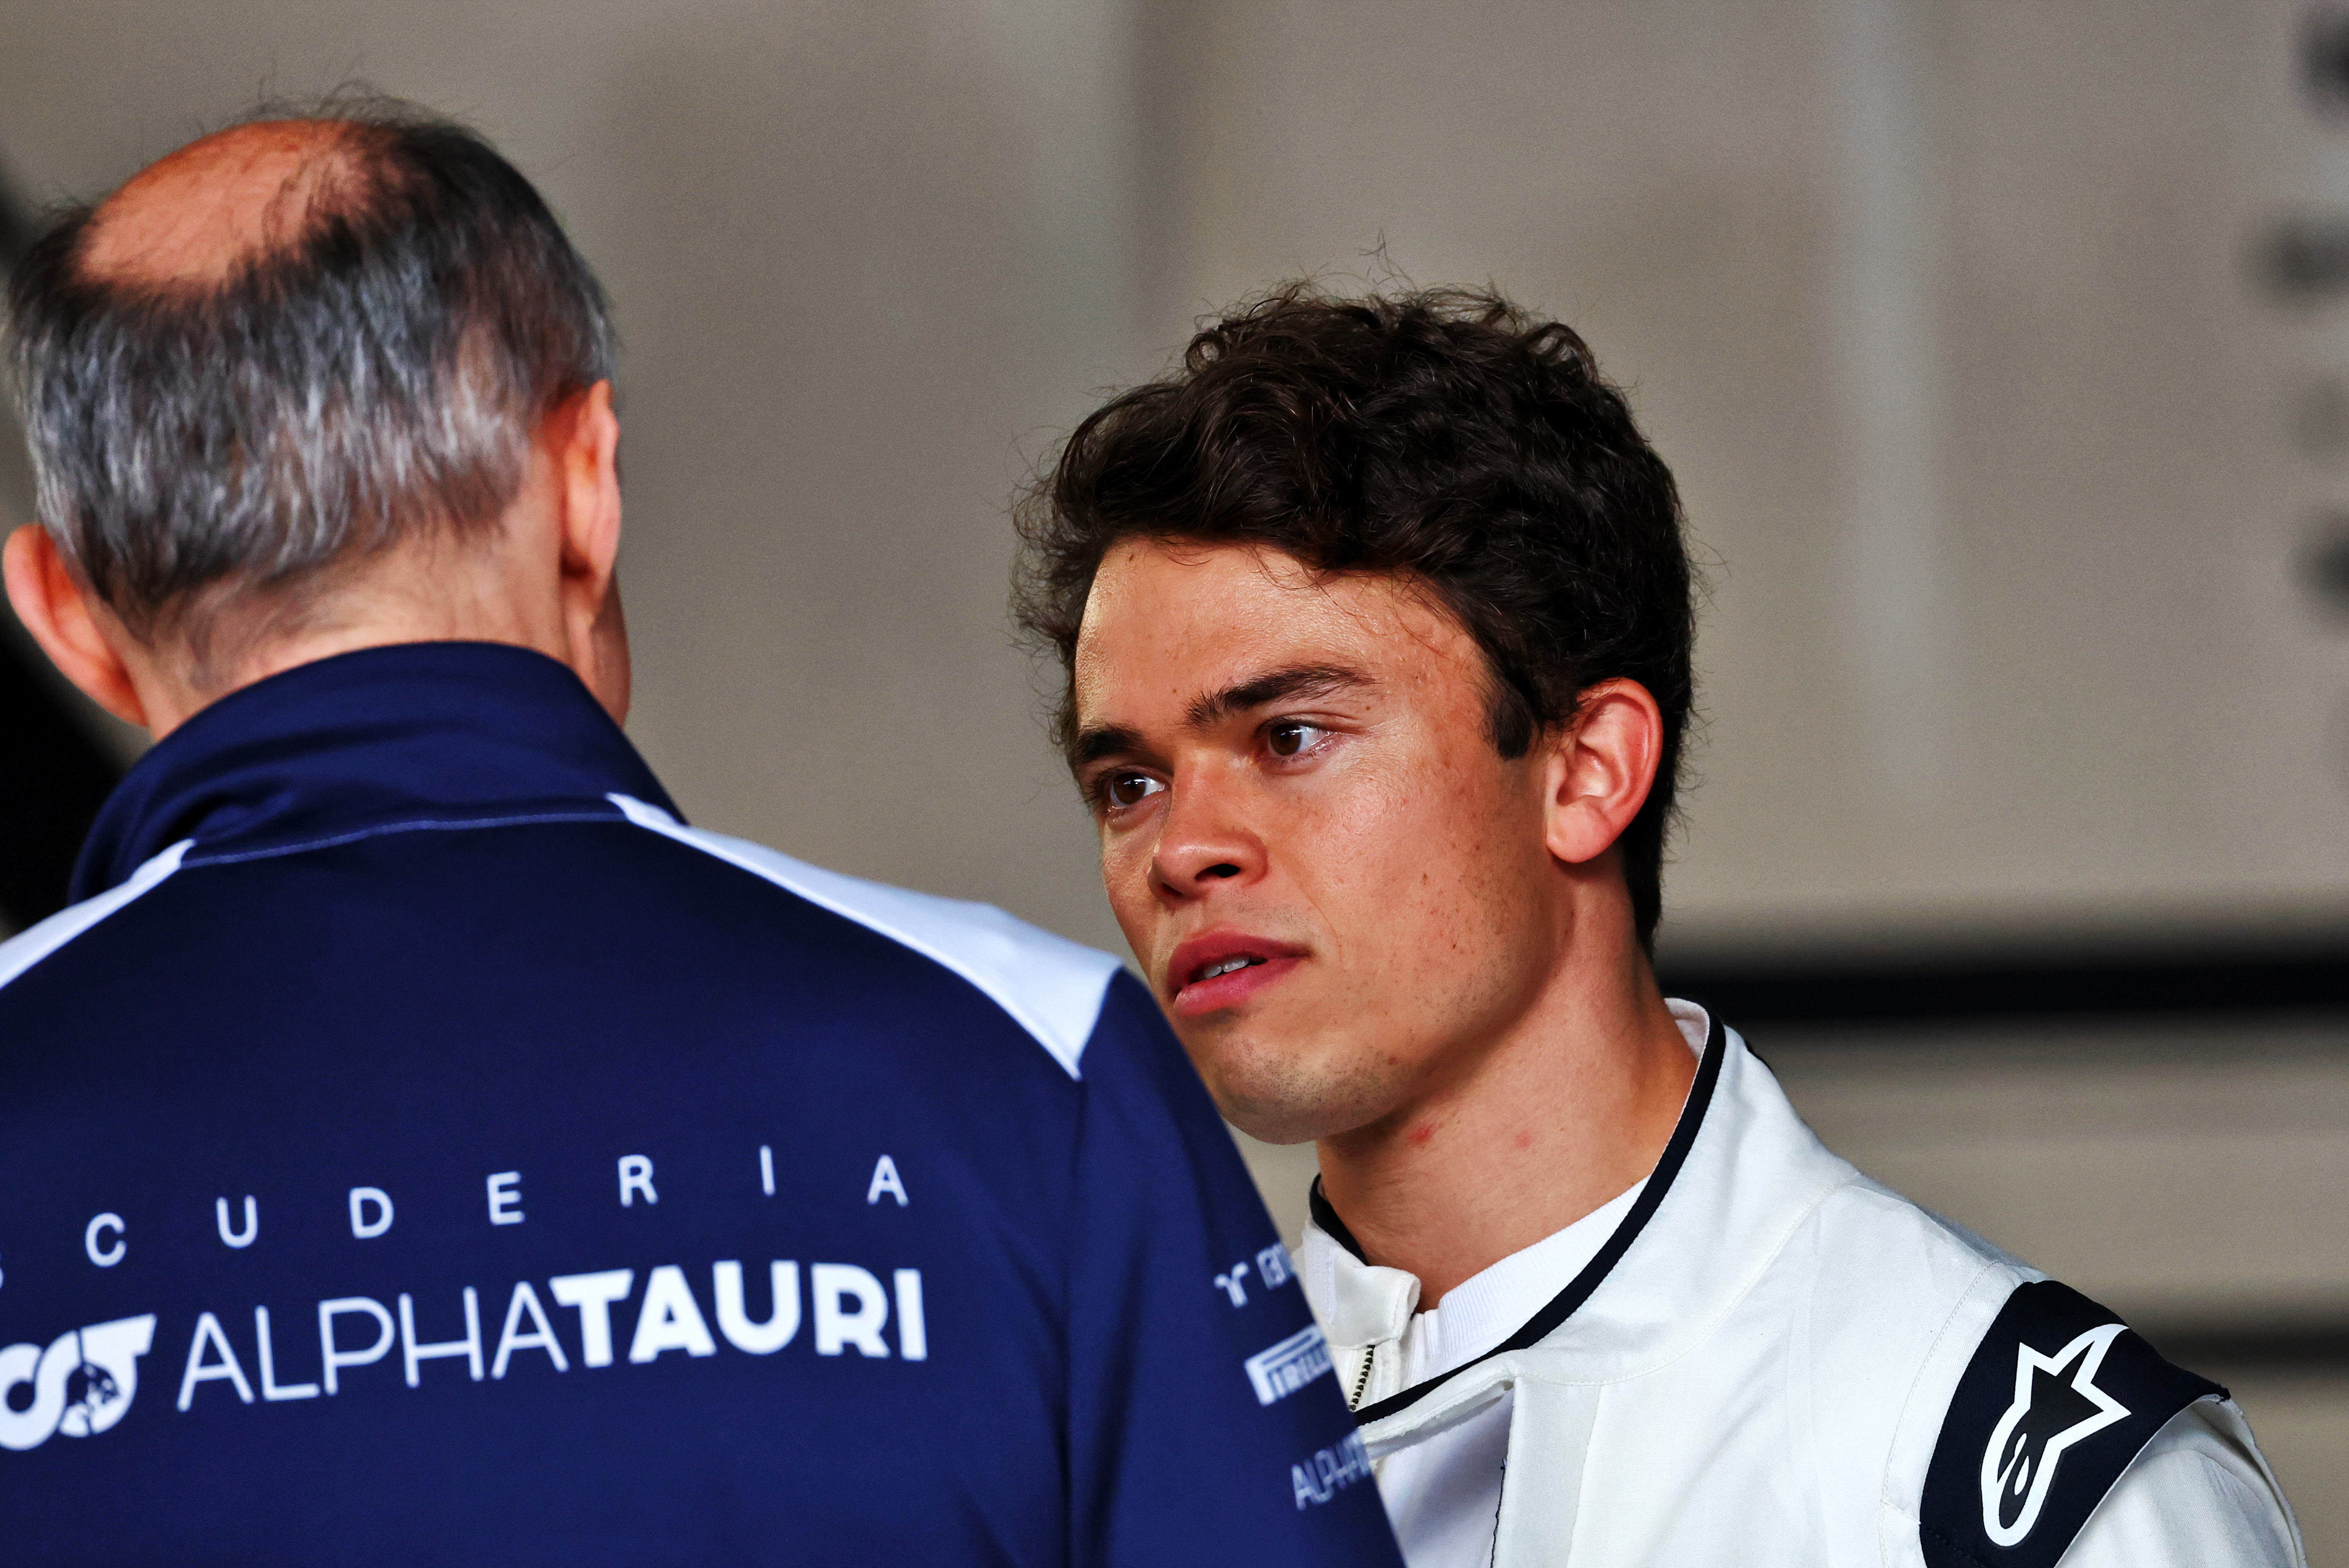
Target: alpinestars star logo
pixel 81 1385
pixel 2057 1404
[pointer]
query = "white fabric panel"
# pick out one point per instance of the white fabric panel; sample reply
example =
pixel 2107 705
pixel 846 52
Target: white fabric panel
pixel 2200 1493
pixel 23 951
pixel 1052 986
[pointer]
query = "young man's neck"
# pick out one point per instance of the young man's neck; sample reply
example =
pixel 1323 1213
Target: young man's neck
pixel 1565 1114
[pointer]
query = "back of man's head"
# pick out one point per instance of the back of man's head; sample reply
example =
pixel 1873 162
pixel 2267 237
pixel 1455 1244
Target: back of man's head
pixel 284 349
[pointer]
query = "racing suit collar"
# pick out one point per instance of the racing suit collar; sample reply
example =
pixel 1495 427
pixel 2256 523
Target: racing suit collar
pixel 1564 1305
pixel 1360 1303
pixel 1751 1174
pixel 417 732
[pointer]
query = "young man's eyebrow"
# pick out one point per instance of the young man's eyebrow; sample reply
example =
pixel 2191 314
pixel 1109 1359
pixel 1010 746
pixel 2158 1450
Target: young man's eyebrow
pixel 1102 741
pixel 1297 681
pixel 1098 741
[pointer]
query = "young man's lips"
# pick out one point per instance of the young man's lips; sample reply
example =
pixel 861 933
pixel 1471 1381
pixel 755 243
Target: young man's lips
pixel 1231 987
pixel 1209 975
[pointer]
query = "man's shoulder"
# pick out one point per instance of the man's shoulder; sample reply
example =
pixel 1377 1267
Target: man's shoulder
pixel 1997 1406
pixel 1874 1275
pixel 1887 1299
pixel 1880 1252
pixel 742 920
pixel 1054 989
pixel 2054 1404
pixel 28 948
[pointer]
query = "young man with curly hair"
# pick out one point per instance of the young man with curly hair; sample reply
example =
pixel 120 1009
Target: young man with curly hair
pixel 1376 618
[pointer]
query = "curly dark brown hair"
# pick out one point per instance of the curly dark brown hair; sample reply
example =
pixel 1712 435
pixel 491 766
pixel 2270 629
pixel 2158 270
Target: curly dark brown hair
pixel 1446 435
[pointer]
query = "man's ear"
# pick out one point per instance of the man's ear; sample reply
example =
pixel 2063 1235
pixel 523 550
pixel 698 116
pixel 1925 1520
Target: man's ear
pixel 587 435
pixel 64 618
pixel 1600 769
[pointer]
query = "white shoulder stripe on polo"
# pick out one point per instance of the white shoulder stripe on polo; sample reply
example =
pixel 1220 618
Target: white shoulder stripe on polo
pixel 1052 987
pixel 29 946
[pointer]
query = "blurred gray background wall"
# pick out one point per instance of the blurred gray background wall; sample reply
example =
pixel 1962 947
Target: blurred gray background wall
pixel 2000 347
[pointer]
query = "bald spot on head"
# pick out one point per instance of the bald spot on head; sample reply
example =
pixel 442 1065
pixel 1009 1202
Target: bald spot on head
pixel 194 215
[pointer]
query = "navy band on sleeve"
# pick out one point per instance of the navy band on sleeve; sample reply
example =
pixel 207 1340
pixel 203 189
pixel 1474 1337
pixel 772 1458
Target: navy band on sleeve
pixel 2059 1397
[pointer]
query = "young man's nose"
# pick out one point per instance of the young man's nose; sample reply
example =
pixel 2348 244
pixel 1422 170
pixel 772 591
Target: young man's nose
pixel 1203 844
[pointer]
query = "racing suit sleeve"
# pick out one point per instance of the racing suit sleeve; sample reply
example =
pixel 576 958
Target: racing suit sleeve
pixel 1204 1424
pixel 2198 1496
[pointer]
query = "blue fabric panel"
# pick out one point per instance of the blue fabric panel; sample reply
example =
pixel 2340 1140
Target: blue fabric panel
pixel 562 1046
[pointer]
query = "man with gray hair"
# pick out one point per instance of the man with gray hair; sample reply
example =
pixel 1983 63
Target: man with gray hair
pixel 472 1161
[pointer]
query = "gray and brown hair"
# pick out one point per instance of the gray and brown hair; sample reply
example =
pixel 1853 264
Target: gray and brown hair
pixel 378 374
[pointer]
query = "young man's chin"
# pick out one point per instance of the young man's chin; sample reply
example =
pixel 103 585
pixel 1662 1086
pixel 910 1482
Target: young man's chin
pixel 1286 1097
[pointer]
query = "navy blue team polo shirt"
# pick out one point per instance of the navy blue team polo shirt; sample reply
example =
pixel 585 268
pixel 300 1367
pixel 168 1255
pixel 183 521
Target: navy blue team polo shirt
pixel 420 1146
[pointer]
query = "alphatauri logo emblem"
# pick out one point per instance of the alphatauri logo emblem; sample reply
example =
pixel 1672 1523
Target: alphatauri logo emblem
pixel 2057 1404
pixel 81 1385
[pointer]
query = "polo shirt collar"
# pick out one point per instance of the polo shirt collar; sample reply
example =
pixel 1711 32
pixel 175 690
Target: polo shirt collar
pixel 424 734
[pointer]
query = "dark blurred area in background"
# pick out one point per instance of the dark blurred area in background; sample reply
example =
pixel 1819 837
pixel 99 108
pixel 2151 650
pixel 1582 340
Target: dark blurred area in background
pixel 54 774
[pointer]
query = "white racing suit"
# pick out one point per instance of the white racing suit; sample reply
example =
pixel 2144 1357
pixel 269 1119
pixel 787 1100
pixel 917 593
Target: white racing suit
pixel 1760 1356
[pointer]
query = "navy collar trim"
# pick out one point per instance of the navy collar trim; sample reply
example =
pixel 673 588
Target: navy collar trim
pixel 1325 1215
pixel 417 735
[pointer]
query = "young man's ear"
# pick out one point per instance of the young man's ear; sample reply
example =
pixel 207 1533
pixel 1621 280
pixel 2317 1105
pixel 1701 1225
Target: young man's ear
pixel 1600 768
pixel 64 617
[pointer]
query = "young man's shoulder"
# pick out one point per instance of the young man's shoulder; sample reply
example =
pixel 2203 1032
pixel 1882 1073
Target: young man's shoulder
pixel 1933 1383
pixel 1991 1410
pixel 1888 1272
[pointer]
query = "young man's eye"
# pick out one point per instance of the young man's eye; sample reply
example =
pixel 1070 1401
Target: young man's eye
pixel 1286 737
pixel 1130 789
